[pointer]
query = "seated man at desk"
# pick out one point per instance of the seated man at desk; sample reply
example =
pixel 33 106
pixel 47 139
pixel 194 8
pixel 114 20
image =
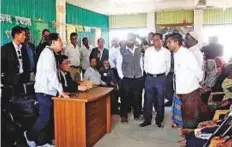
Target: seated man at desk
pixel 68 84
pixel 108 76
pixel 92 74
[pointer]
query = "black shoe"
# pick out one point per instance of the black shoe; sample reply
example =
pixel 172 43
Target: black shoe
pixel 145 123
pixel 160 125
pixel 168 104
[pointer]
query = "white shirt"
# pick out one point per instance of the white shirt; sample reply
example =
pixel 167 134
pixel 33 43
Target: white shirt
pixel 84 56
pixel 119 62
pixel 19 53
pixel 113 55
pixel 93 75
pixel 73 54
pixel 101 52
pixel 157 61
pixel 46 79
pixel 198 54
pixel 188 73
pixel 65 80
pixel 199 57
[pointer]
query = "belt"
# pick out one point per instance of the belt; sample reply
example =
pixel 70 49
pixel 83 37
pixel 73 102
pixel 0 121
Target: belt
pixel 75 66
pixel 155 75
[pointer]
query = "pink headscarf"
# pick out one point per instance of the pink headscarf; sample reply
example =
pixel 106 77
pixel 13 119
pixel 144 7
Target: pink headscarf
pixel 220 63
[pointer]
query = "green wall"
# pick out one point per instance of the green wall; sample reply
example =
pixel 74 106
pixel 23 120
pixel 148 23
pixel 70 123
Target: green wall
pixel 79 16
pixel 41 12
pixel 128 21
pixel 218 16
pixel 174 17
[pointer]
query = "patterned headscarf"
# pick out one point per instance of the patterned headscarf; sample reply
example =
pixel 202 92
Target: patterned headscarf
pixel 211 73
pixel 220 64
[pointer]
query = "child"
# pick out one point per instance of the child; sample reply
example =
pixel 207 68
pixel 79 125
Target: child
pixel 227 83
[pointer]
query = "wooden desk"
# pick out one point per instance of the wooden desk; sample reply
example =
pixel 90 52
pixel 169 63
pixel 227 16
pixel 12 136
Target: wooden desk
pixel 82 120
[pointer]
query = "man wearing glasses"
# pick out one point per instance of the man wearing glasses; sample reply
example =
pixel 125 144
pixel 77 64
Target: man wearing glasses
pixel 72 51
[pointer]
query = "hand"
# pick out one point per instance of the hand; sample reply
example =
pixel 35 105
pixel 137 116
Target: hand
pixel 182 142
pixel 209 123
pixel 63 94
pixel 103 83
pixel 82 88
pixel 225 103
pixel 112 83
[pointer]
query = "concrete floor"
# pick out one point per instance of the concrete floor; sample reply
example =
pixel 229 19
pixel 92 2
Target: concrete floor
pixel 131 135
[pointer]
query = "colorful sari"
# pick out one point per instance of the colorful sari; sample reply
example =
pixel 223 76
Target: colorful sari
pixel 193 109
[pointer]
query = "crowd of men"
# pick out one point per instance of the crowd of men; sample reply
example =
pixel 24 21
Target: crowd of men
pixel 154 66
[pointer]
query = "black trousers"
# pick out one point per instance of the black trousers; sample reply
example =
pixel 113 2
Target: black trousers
pixel 169 87
pixel 154 95
pixel 130 96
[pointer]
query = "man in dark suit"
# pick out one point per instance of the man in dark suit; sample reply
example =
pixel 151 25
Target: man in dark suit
pixel 100 53
pixel 15 66
pixel 65 78
pixel 68 84
pixel 15 60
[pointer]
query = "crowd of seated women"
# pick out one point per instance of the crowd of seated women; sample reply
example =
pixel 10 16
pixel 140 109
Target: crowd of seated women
pixel 217 93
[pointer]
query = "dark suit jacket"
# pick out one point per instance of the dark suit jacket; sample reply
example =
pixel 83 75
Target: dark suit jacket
pixel 10 65
pixel 108 76
pixel 40 48
pixel 71 85
pixel 105 56
pixel 32 46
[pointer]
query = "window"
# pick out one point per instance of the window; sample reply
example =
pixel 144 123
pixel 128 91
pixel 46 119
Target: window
pixel 223 32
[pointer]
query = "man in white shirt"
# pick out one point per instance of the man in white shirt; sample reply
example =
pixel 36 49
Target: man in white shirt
pixel 157 62
pixel 192 43
pixel 92 73
pixel 73 53
pixel 187 77
pixel 47 85
pixel 129 67
pixel 85 53
pixel 113 52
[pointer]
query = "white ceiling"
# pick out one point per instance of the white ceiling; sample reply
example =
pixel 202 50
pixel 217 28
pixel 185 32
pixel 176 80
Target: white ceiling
pixel 114 7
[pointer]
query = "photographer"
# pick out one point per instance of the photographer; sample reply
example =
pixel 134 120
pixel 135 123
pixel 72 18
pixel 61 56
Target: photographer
pixel 43 42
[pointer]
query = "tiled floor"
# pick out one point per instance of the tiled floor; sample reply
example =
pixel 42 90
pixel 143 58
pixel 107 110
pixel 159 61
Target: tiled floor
pixel 131 135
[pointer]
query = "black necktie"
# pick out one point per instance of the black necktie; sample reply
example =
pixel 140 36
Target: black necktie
pixel 172 62
pixel 172 70
pixel 57 57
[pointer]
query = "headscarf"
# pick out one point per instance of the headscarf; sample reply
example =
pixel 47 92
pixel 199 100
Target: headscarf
pixel 211 73
pixel 222 63
pixel 194 35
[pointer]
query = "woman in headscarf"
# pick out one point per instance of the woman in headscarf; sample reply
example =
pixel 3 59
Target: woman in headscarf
pixel 216 87
pixel 220 62
pixel 211 74
pixel 221 75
